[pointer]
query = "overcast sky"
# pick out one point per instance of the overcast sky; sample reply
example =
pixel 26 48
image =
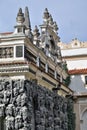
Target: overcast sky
pixel 70 15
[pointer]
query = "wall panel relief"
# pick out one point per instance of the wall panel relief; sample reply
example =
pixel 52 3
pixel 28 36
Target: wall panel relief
pixel 6 52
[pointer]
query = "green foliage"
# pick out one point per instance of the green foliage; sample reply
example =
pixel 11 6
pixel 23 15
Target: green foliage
pixel 71 115
pixel 65 67
pixel 67 80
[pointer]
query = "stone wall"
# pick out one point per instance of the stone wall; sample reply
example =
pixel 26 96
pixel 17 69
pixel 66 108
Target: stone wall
pixel 24 105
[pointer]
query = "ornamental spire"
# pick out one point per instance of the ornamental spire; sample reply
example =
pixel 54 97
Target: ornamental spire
pixel 51 20
pixel 36 35
pixel 20 17
pixel 27 24
pixel 20 27
pixel 55 27
pixel 46 16
pixel 27 19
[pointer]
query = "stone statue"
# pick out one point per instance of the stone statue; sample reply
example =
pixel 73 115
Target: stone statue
pixel 7 92
pixel 18 122
pixel 24 113
pixel 9 117
pixel 23 99
pixel 9 122
pixel 16 91
pixel 18 100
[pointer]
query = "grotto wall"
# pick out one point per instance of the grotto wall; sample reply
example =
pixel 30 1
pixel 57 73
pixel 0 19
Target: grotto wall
pixel 24 105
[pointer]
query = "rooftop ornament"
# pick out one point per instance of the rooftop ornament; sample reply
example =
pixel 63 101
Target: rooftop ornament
pixel 36 31
pixel 46 16
pixel 51 20
pixel 20 17
pixel 55 27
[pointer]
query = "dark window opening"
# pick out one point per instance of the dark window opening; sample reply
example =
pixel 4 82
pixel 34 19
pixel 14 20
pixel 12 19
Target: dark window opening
pixel 19 51
pixel 19 30
pixel 86 80
pixel 58 76
pixel 29 56
pixel 42 65
pixel 51 71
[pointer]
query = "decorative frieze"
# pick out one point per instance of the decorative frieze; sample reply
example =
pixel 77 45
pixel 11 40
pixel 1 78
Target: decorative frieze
pixel 6 52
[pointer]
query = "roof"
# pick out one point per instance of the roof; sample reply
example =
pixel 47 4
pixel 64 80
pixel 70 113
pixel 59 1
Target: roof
pixel 6 33
pixel 78 71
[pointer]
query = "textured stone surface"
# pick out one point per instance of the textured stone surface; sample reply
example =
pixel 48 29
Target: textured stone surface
pixel 27 106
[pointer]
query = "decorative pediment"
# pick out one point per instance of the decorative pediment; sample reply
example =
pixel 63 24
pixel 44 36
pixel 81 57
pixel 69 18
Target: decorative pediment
pixel 75 43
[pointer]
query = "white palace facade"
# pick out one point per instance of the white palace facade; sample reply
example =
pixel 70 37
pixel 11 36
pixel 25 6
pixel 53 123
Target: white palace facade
pixel 75 55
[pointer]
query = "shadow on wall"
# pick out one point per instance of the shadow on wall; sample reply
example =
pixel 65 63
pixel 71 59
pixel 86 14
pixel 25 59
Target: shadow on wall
pixel 84 120
pixel 77 84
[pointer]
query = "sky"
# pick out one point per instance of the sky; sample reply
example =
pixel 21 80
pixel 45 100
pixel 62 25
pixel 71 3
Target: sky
pixel 70 15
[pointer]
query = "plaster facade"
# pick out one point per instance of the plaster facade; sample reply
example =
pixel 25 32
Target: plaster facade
pixel 75 55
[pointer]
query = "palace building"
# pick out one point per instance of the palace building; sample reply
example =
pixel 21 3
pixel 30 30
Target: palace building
pixel 75 54
pixel 31 55
pixel 34 94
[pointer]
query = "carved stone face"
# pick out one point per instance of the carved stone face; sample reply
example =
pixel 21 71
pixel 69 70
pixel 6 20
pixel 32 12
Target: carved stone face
pixel 15 91
pixel 18 100
pixel 7 85
pixel 24 112
pixel 9 122
pixel 23 99
pixel 41 101
pixel 18 122
pixel 9 110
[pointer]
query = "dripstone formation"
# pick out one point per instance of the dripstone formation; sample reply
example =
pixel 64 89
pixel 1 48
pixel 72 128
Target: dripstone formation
pixel 24 105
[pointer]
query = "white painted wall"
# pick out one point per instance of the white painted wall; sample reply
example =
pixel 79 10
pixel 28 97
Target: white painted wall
pixel 74 52
pixel 76 64
pixel 78 83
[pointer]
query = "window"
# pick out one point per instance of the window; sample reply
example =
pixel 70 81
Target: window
pixel 86 80
pixel 30 56
pixel 19 51
pixel 19 30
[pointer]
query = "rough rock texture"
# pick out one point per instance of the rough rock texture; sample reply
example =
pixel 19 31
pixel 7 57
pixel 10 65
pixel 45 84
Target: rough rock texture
pixel 24 105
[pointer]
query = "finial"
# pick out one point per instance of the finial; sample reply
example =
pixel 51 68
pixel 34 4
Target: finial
pixel 55 27
pixel 46 15
pixel 36 35
pixel 20 17
pixel 36 31
pixel 51 20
